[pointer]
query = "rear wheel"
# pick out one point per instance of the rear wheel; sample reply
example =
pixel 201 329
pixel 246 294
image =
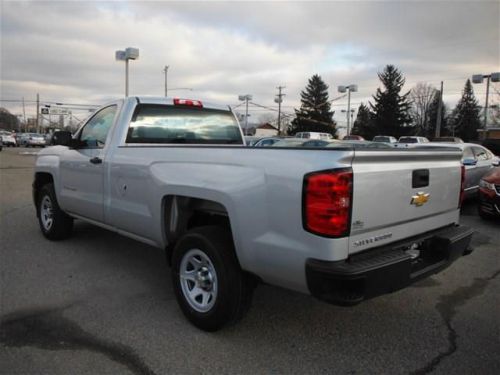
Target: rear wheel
pixel 54 223
pixel 209 284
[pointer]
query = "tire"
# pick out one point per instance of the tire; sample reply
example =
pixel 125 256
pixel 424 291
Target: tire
pixel 213 291
pixel 54 223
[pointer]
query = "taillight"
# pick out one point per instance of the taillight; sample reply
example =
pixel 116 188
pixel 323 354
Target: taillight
pixel 188 102
pixel 462 186
pixel 327 200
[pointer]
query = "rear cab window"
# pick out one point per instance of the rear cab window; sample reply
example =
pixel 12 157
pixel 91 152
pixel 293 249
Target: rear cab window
pixel 165 124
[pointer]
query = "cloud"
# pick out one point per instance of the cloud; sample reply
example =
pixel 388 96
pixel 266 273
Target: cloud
pixel 65 50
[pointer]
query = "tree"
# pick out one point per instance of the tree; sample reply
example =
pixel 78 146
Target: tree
pixel 363 125
pixel 465 119
pixel 8 121
pixel 421 97
pixel 315 113
pixel 391 110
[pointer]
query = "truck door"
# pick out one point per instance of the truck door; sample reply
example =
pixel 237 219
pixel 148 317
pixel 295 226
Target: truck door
pixel 82 168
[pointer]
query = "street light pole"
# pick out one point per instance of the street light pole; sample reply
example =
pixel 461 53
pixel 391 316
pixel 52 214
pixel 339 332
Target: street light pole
pixel 486 104
pixel 126 77
pixel 478 78
pixel 350 88
pixel 126 55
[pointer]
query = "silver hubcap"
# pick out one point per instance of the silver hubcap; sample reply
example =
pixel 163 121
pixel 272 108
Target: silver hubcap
pixel 46 213
pixel 198 280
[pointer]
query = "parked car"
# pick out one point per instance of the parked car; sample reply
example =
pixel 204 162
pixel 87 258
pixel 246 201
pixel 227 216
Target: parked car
pixel 251 140
pixel 22 139
pixel 361 144
pixel 313 135
pixel 1 144
pixel 266 142
pixel 326 222
pixel 489 194
pixel 412 139
pixel 8 139
pixel 384 139
pixel 448 139
pixel 35 140
pixel 353 137
pixel 477 161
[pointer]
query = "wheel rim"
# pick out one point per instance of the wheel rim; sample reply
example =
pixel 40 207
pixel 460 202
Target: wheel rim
pixel 46 213
pixel 198 280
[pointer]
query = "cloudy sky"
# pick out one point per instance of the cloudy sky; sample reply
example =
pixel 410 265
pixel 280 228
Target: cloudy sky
pixel 64 50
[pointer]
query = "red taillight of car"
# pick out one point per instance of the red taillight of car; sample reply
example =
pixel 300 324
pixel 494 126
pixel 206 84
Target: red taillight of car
pixel 188 102
pixel 462 186
pixel 326 202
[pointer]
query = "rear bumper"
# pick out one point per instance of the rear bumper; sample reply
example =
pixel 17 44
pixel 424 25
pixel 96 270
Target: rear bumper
pixel 388 268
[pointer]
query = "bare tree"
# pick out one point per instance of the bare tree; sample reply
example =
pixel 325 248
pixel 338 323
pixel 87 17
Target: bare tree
pixel 421 97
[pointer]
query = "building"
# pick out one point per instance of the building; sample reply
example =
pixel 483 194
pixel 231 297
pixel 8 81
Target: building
pixel 489 133
pixel 266 130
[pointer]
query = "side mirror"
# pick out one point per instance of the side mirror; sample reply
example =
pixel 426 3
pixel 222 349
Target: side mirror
pixel 496 162
pixel 62 138
pixel 469 161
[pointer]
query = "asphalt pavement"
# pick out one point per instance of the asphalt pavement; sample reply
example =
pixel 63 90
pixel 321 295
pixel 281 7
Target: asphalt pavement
pixel 99 303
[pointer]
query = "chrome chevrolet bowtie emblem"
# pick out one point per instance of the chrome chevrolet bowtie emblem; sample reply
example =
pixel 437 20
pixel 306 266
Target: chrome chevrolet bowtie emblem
pixel 419 199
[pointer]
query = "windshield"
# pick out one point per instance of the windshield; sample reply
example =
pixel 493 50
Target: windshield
pixel 169 124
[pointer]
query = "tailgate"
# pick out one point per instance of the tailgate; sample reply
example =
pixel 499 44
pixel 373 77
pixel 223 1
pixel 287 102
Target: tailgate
pixel 402 193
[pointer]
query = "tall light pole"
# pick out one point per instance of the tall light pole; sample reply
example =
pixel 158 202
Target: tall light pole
pixel 165 70
pixel 129 54
pixel 245 98
pixel 478 78
pixel 350 88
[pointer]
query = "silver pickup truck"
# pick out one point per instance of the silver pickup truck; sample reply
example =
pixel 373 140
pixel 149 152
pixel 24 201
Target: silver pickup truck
pixel 343 224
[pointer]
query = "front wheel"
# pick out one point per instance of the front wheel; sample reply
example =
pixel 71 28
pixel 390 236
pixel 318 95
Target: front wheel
pixel 209 284
pixel 54 222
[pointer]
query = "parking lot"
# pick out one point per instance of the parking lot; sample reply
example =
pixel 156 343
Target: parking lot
pixel 99 302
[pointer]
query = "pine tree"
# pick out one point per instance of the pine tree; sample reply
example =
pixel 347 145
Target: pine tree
pixel 363 125
pixel 391 110
pixel 465 120
pixel 315 113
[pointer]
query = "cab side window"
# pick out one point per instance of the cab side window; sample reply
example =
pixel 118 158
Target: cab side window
pixel 96 130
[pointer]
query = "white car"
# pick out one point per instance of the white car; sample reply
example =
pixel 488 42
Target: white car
pixel 8 139
pixel 314 135
pixel 410 141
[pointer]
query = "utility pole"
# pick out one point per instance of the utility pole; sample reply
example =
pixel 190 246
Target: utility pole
pixel 245 98
pixel 24 114
pixel 440 109
pixel 279 100
pixel 38 112
pixel 165 70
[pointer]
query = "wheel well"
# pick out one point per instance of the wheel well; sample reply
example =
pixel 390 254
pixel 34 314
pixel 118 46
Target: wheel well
pixel 184 213
pixel 41 179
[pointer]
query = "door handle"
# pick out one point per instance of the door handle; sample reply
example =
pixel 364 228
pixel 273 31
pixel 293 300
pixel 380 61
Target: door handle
pixel 96 160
